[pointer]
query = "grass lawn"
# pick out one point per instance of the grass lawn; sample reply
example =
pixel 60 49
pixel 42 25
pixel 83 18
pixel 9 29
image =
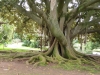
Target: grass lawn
pixel 21 49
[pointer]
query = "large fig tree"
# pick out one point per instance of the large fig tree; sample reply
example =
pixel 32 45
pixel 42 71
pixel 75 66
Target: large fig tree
pixel 62 21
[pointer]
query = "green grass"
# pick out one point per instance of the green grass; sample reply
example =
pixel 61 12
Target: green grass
pixel 80 67
pixel 21 49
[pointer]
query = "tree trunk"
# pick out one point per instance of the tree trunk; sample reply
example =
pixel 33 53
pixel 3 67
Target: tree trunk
pixel 59 28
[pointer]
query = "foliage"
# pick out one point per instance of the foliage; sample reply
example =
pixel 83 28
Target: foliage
pixel 25 23
pixel 6 33
pixel 15 35
pixel 95 37
pixel 89 46
pixel 95 45
pixel 33 44
pixel 26 43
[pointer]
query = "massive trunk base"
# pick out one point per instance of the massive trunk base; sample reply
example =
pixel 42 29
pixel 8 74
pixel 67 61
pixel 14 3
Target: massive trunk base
pixel 56 55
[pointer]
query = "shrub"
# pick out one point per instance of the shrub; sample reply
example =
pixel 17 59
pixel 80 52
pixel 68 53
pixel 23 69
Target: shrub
pixel 26 43
pixel 95 45
pixel 34 44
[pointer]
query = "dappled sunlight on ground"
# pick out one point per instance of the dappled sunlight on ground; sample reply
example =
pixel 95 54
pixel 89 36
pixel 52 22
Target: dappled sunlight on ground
pixel 15 45
pixel 19 46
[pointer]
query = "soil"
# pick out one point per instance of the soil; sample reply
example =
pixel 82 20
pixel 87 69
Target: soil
pixel 21 68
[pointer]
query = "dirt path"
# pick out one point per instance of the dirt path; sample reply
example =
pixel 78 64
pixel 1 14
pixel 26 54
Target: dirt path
pixel 20 68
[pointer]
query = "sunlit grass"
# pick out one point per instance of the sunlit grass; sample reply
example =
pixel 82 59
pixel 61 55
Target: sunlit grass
pixel 80 67
pixel 21 49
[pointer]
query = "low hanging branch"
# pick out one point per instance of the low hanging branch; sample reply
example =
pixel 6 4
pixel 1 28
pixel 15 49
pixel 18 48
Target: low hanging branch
pixel 90 31
pixel 2 23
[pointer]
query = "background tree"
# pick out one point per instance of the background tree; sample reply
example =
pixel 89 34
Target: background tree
pixel 62 21
pixel 6 33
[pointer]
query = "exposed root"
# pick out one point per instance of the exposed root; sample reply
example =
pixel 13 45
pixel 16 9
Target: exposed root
pixel 43 60
pixel 37 60
pixel 19 55
pixel 52 56
pixel 50 59
pixel 23 55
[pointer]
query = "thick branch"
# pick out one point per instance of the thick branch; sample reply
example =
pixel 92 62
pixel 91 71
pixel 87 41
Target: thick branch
pixel 88 3
pixel 79 28
pixel 2 23
pixel 93 8
pixel 90 31
pixel 34 8
pixel 53 23
pixel 82 7
pixel 29 14
pixel 60 7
